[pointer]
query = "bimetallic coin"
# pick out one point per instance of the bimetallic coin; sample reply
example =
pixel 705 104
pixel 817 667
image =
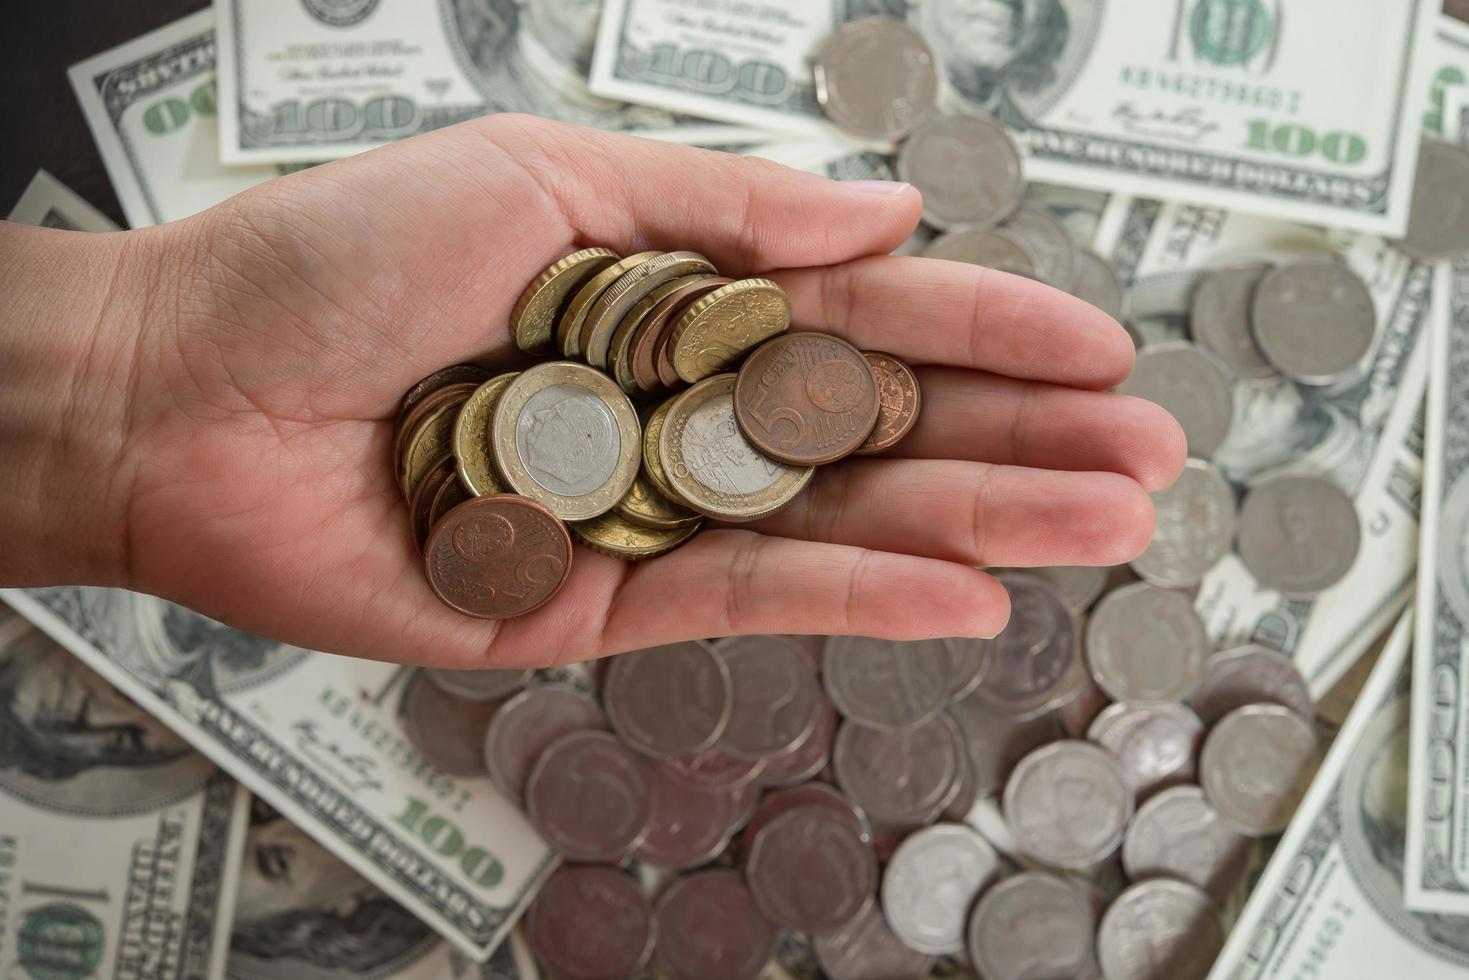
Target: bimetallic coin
pixel 428 436
pixel 710 465
pixel 993 248
pixel 479 685
pixel 616 536
pixel 1068 804
pixel 448 731
pixel 473 447
pixel 1157 745
pixel 1194 528
pixel 876 78
pixel 1160 929
pixel 1098 283
pixel 1256 766
pixel 497 557
pixel 1177 834
pixel 574 317
pixel 1034 663
pixel 590 798
pixel 995 741
pixel 566 437
pixel 810 755
pixel 1298 534
pixel 1032 926
pixel 668 701
pixel 556 925
pixel 709 928
pixel 454 374
pixel 899 400
pixel 931 882
pixel 1250 675
pixel 1219 319
pixel 1314 320
pixel 884 684
pixel 776 698
pixel 967 169
pixel 1057 259
pixel 900 778
pixel 714 332
pixel 526 725
pixel 1191 386
pixel 1146 645
pixel 810 872
pixel 645 506
pixel 806 399
pixel 658 326
pixel 869 950
pixel 629 289
pixel 688 826
pixel 533 318
pixel 1438 222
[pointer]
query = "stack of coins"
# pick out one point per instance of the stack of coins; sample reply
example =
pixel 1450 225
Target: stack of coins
pixel 495 468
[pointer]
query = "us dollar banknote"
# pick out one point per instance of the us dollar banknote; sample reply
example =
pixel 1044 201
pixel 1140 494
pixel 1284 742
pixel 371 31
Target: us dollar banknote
pixel 1447 67
pixel 119 844
pixel 1364 431
pixel 318 79
pixel 1312 117
pixel 1330 904
pixel 49 203
pixel 321 739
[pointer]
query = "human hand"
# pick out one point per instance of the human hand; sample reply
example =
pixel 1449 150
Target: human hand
pixel 235 397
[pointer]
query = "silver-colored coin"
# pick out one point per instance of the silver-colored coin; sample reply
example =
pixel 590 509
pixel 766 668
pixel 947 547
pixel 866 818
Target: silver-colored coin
pixel 687 826
pixel 1256 766
pixel 713 769
pixel 1192 386
pixel 900 778
pixel 776 700
pixel 1034 663
pixel 810 872
pixel 966 793
pixel 885 684
pixel 590 798
pixel 1250 675
pixel 1079 585
pixel 995 741
pixel 1219 319
pixel 1157 745
pixel 1298 534
pixel 526 725
pixel 1194 528
pixel 810 755
pixel 710 927
pixel 931 882
pixel 669 701
pixel 448 731
pixel 1177 834
pixel 968 658
pixel 478 685
pixel 993 248
pixel 816 794
pixel 1160 929
pixel 876 78
pixel 1314 320
pixel 1146 645
pixel 1098 283
pixel 1033 926
pixel 1067 804
pixel 869 950
pixel 967 169
pixel 1056 258
pixel 1438 223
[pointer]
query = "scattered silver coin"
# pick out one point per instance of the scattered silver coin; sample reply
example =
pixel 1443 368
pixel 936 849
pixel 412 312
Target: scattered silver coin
pixel 900 778
pixel 1156 745
pixel 669 701
pixel 810 872
pixel 556 924
pixel 967 169
pixel 993 248
pixel 1298 534
pixel 775 698
pixel 1055 256
pixel 816 794
pixel 687 826
pixel 1250 675
pixel 589 796
pixel 1438 222
pixel 1067 804
pixel 869 950
pixel 885 684
pixel 448 731
pixel 968 658
pixel 810 755
pixel 1177 834
pixel 1034 663
pixel 1256 766
pixel 1030 926
pixel 1314 320
pixel 995 741
pixel 931 882
pixel 709 927
pixel 1160 929
pixel 526 725
pixel 1194 529
pixel 713 769
pixel 1219 318
pixel 478 685
pixel 876 78
pixel 1192 386
pixel 1146 645
pixel 1098 283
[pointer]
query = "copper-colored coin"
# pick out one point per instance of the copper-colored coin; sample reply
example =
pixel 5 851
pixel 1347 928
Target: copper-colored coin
pixel 574 317
pixel 806 398
pixel 442 378
pixel 662 355
pixel 533 319
pixel 658 326
pixel 428 435
pixel 629 289
pixel 420 508
pixel 496 557
pixel 635 324
pixel 451 494
pixel 898 399
pixel 716 331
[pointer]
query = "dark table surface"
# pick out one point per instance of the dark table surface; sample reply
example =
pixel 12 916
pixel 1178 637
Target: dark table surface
pixel 41 123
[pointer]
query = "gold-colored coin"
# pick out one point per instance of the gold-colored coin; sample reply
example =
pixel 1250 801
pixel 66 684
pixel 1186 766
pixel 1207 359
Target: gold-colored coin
pixel 613 535
pixel 472 446
pixel 710 465
pixel 410 420
pixel 428 440
pixel 631 288
pixel 619 361
pixel 569 327
pixel 645 506
pixel 717 330
pixel 652 459
pixel 533 319
pixel 566 436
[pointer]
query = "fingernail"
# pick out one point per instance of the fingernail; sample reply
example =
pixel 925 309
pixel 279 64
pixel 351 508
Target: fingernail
pixel 884 187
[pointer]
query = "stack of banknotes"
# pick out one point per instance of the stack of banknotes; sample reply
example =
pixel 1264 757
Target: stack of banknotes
pixel 181 799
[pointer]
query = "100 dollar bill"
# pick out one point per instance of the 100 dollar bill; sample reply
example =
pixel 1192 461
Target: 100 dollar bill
pixel 1312 117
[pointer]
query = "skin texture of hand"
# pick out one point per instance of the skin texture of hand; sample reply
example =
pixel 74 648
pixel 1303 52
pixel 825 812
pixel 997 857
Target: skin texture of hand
pixel 207 415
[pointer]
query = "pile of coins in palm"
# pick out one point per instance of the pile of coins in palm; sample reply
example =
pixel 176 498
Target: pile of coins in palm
pixel 733 415
pixel 876 807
